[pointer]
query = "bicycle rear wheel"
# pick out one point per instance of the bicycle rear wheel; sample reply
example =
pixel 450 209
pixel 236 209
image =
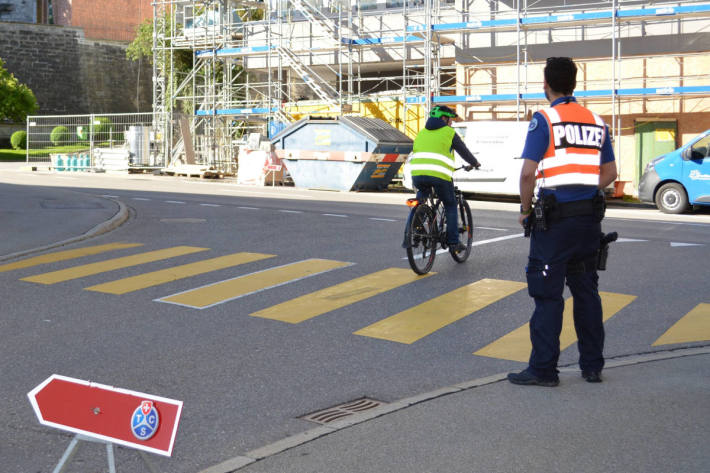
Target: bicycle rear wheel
pixel 422 245
pixel 465 232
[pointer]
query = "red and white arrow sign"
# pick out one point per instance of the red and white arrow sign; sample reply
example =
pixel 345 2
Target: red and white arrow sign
pixel 115 415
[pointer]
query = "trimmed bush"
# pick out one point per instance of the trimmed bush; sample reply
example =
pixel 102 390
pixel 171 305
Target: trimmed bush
pixel 60 135
pixel 18 140
pixel 102 128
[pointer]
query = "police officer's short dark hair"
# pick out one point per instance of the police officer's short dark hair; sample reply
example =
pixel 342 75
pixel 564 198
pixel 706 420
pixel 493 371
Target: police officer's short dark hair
pixel 561 74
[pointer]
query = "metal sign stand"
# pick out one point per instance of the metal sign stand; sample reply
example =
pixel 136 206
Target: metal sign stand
pixel 71 450
pixel 272 169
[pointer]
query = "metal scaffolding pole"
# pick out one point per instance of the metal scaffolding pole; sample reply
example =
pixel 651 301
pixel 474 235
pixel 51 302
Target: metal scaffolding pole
pixel 310 46
pixel 427 55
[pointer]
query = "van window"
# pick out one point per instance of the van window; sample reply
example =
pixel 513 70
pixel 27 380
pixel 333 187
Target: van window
pixel 702 146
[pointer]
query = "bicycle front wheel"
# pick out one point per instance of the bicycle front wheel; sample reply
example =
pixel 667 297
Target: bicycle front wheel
pixel 465 232
pixel 421 250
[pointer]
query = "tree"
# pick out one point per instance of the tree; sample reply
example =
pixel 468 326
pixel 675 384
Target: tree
pixel 16 99
pixel 142 48
pixel 182 58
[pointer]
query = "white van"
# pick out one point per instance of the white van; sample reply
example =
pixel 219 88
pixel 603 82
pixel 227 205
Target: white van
pixel 497 145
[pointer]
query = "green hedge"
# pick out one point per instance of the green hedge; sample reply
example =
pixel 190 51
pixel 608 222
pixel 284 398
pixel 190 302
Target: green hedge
pixel 103 126
pixel 18 140
pixel 60 135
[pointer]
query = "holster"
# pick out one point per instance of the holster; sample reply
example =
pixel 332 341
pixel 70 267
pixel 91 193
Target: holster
pixel 547 210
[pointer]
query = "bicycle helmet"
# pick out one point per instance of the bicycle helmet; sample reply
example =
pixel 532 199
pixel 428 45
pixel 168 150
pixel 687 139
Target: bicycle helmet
pixel 442 111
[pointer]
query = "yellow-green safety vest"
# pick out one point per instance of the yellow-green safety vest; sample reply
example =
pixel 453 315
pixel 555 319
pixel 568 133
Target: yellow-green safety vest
pixel 432 154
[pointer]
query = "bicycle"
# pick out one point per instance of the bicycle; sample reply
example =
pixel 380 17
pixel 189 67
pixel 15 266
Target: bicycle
pixel 426 231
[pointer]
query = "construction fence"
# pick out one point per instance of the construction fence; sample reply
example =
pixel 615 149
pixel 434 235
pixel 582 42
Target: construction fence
pixel 134 141
pixel 83 142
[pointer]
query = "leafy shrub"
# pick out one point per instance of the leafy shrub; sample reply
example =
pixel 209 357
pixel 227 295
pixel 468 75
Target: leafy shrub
pixel 102 128
pixel 60 135
pixel 18 140
pixel 16 99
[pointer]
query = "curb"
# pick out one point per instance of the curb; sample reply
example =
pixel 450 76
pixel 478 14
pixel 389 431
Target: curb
pixel 114 222
pixel 236 463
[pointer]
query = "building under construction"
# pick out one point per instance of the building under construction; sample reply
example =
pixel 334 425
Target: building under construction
pixel 258 66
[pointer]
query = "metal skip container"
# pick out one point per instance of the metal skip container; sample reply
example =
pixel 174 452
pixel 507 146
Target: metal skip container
pixel 344 153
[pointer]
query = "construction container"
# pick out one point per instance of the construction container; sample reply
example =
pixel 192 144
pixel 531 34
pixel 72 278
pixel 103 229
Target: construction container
pixel 344 153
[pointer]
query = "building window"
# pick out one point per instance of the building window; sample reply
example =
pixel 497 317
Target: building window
pixel 367 5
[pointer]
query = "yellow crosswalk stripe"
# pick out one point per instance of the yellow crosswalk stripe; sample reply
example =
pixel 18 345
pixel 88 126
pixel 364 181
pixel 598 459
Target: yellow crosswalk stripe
pixel 693 327
pixel 334 297
pixel 218 293
pixel 515 345
pixel 66 255
pixel 142 281
pixel 111 264
pixel 419 321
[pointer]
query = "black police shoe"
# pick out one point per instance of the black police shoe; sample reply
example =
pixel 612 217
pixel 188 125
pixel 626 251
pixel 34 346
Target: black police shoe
pixel 592 376
pixel 526 378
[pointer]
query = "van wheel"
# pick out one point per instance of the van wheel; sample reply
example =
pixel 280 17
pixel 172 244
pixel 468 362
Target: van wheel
pixel 671 199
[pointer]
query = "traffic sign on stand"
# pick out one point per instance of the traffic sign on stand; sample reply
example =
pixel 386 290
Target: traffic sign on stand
pixel 108 414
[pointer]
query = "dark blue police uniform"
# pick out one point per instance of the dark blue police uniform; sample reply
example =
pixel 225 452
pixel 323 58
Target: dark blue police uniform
pixel 564 253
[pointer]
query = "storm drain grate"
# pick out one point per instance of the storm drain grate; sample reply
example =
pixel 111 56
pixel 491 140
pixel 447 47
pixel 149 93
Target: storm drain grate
pixel 343 410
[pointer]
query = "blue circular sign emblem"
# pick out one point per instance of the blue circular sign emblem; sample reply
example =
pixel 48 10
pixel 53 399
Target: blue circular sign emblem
pixel 145 421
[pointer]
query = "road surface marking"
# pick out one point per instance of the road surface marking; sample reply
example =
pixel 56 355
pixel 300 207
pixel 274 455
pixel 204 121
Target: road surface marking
pixel 174 202
pixel 111 264
pixel 693 327
pixel 515 345
pixel 334 297
pixel 210 205
pixel 383 219
pixel 66 255
pixel 475 243
pixel 230 289
pixel 493 240
pixel 155 278
pixel 421 320
pixel 335 215
pixel 291 211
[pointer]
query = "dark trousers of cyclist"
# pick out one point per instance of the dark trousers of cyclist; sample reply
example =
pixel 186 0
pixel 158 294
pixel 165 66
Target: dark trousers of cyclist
pixel 445 191
pixel 568 241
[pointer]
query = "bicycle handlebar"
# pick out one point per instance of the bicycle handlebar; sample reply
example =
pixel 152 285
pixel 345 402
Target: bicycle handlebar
pixel 467 167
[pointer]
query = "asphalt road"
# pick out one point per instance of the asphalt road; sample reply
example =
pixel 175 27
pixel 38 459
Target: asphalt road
pixel 245 371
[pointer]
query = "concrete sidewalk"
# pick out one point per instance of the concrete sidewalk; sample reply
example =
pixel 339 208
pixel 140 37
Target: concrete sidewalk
pixel 650 415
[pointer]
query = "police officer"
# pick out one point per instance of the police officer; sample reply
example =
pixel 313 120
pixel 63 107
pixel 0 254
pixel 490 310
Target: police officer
pixel 568 156
pixel 432 165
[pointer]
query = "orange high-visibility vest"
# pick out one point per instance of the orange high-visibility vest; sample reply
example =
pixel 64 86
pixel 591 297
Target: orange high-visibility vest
pixel 573 156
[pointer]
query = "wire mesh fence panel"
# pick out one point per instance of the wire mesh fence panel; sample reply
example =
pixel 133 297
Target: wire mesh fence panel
pixel 96 141
pixel 137 141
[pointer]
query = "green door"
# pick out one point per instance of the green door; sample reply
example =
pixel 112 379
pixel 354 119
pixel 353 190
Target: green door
pixel 652 140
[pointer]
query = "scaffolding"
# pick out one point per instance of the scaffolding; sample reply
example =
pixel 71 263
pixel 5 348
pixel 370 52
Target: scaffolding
pixel 258 66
